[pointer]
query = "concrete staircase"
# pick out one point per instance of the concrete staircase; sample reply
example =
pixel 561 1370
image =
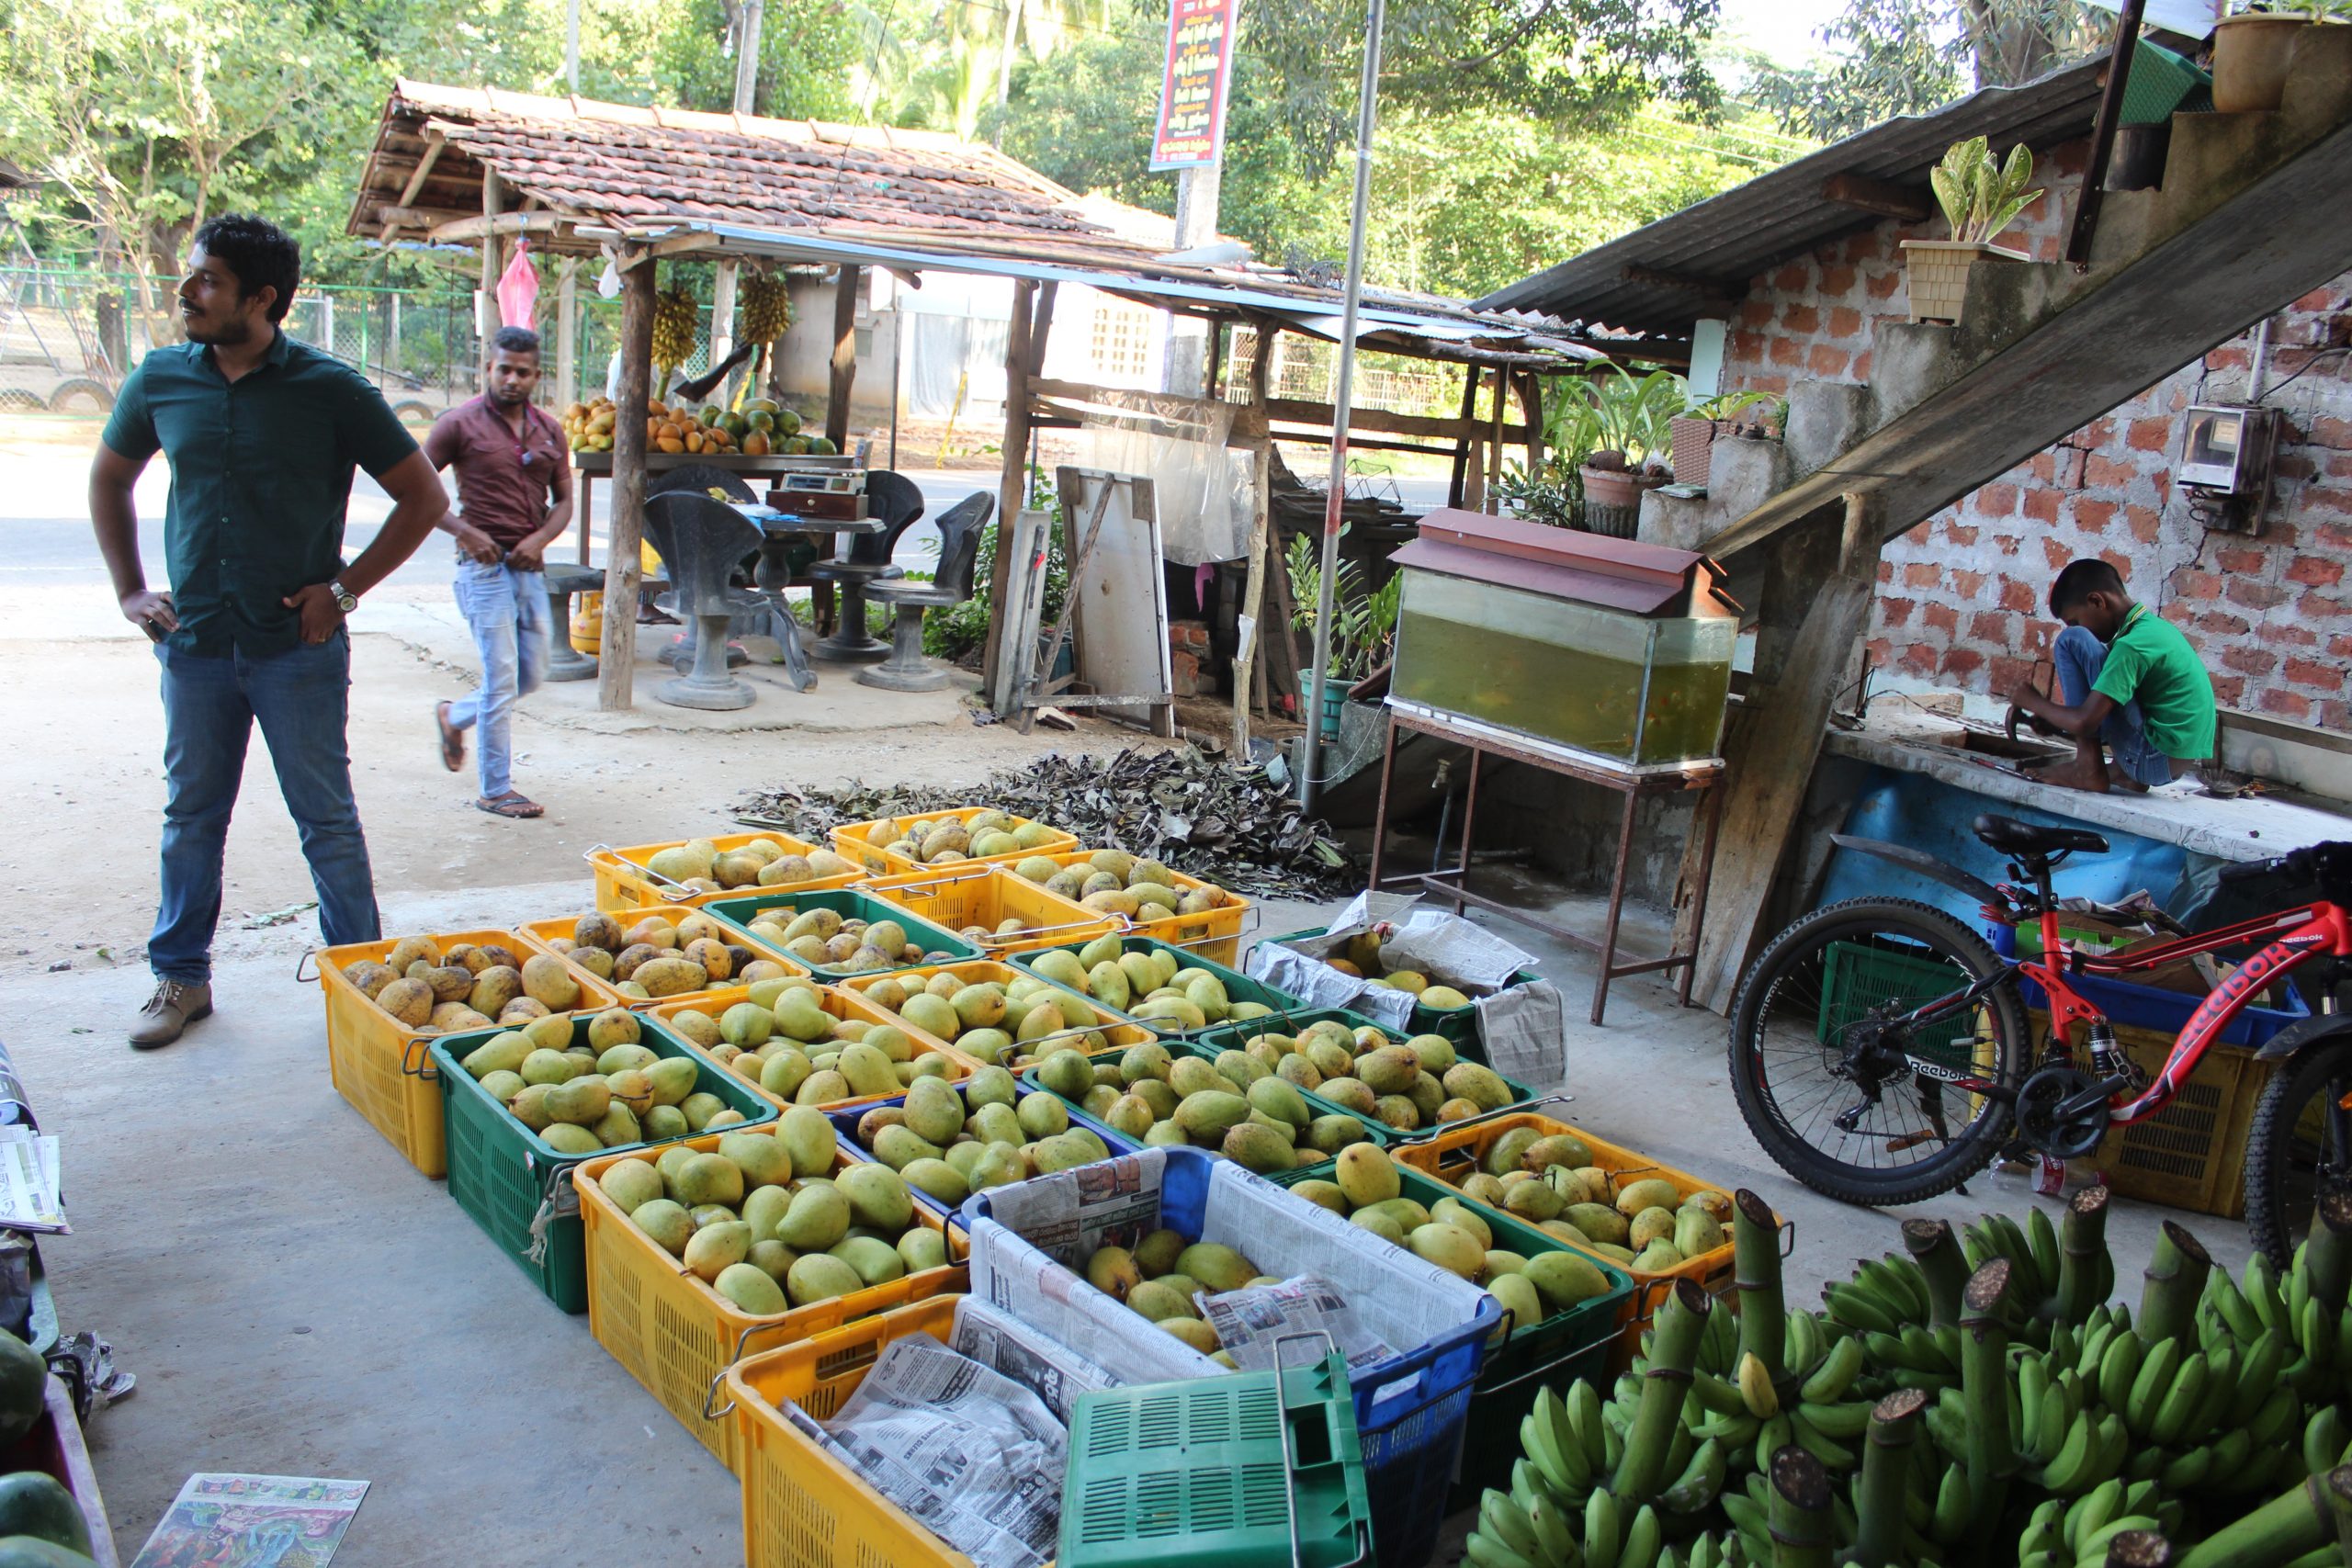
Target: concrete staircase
pixel 2251 215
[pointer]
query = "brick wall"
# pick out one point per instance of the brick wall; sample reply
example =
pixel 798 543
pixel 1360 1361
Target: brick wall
pixel 1961 596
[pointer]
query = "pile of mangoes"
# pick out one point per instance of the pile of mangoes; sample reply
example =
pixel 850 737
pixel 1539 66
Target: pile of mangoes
pixel 1160 1277
pixel 663 955
pixel 705 868
pixel 1112 882
pixel 1152 988
pixel 952 1142
pixel 772 1219
pixel 826 939
pixel 594 1087
pixel 432 991
pixel 943 841
pixel 1235 1106
pixel 1550 1181
pixel 992 1020
pixel 782 1037
pixel 1363 959
pixel 1406 1085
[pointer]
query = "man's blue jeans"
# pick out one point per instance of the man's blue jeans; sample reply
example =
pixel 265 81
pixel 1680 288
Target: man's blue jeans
pixel 508 611
pixel 301 699
pixel 2080 656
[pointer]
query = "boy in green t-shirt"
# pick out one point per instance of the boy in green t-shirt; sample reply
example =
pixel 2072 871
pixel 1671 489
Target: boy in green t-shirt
pixel 2130 685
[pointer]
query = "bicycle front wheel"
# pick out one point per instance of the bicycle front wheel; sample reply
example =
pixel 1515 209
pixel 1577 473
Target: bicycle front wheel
pixel 2301 1143
pixel 1849 1097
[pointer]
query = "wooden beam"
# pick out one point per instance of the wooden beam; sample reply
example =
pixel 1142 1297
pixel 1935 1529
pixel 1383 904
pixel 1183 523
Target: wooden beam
pixel 843 379
pixel 1261 469
pixel 466 231
pixel 1816 608
pixel 1883 199
pixel 1041 326
pixel 1012 483
pixel 433 142
pixel 1684 283
pixel 1381 421
pixel 616 654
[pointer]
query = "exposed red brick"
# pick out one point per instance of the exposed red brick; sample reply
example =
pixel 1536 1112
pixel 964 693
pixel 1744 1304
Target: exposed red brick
pixel 2230 690
pixel 1837 282
pixel 1960 534
pixel 1756 311
pixel 2285 704
pixel 1919 659
pixel 1963 661
pixel 2056 553
pixel 1845 321
pixel 2314 672
pixel 2147 525
pixel 2106 472
pixel 1921 574
pixel 2042 505
pixel 1883 285
pixel 2093 516
pixel 1896 612
pixel 2327 431
pixel 1996 627
pixel 1802 319
pixel 2037 637
pixel 2217 622
pixel 2191 583
pixel 2019 596
pixel 1966 584
pixel 2008 673
pixel 1784 351
pixel 1997 500
pixel 1862 367
pixel 1791 278
pixel 2242 558
pixel 2249 660
pixel 1940 617
pixel 1885 569
pixel 2149 434
pixel 2333 715
pixel 1826 361
pixel 2254 594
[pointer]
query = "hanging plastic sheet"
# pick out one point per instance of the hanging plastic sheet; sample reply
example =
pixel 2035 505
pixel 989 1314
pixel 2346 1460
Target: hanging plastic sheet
pixel 1201 485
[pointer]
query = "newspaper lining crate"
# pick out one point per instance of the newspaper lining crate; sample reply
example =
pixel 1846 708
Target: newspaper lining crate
pixel 845 1134
pixel 843 1004
pixel 624 880
pixel 738 911
pixel 855 842
pixel 539 934
pixel 380 1065
pixel 973 895
pixel 1458 1025
pixel 676 1334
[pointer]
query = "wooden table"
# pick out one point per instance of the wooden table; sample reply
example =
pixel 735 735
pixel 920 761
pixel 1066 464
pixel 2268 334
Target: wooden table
pixel 1634 784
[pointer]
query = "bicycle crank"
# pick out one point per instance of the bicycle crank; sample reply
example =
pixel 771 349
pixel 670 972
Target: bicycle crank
pixel 2061 1111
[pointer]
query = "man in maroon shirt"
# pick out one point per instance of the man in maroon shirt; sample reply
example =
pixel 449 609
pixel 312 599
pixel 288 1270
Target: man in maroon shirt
pixel 510 459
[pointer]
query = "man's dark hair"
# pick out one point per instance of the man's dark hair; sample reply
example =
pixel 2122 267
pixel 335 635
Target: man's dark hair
pixel 262 254
pixel 514 340
pixel 2080 581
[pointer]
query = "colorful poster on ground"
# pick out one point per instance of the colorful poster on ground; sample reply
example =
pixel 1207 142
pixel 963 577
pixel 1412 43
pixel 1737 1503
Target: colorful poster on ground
pixel 252 1521
pixel 1191 95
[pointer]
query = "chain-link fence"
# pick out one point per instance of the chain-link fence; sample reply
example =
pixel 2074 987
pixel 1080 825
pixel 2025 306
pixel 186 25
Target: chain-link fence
pixel 68 336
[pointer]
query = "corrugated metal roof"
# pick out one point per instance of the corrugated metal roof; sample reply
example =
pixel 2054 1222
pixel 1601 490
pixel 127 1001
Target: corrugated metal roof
pixel 1728 240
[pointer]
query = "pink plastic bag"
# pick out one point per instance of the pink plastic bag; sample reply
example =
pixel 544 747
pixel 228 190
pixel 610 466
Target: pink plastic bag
pixel 518 289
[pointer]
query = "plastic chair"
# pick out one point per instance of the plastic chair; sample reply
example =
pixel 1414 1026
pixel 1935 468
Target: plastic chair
pixel 959 549
pixel 892 498
pixel 565 663
pixel 703 541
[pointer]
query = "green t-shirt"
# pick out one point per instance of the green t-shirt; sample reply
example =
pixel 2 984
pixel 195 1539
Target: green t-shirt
pixel 2150 663
pixel 261 477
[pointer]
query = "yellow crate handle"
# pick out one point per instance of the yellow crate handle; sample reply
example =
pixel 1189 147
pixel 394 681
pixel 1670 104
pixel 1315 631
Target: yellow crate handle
pixel 742 1342
pixel 994 943
pixel 416 1060
pixel 1426 1135
pixel 309 954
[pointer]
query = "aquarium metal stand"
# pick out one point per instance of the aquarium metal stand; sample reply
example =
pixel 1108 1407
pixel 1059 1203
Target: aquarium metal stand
pixel 1633 784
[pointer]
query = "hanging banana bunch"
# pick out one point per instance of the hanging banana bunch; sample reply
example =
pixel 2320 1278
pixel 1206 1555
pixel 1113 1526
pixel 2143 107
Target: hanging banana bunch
pixel 766 315
pixel 675 316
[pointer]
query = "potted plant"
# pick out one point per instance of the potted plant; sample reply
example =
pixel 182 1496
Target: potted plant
pixel 1364 625
pixel 2252 49
pixel 1980 196
pixel 1692 433
pixel 1631 436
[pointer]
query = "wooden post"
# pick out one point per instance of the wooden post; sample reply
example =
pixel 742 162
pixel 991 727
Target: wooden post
pixel 1531 399
pixel 1817 591
pixel 1495 430
pixel 617 657
pixel 1261 469
pixel 845 377
pixel 486 304
pixel 1012 486
pixel 1457 493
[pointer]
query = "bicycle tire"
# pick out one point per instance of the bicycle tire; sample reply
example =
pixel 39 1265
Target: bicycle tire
pixel 1945 937
pixel 2269 1151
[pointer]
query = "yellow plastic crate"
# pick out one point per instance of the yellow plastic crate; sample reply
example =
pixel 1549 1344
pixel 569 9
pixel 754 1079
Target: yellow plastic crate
pixel 842 1004
pixel 1215 936
pixel 1456 1154
pixel 802 1507
pixel 973 892
pixel 2190 1155
pixel 676 1334
pixel 379 1064
pixel 622 881
pixel 1116 1035
pixel 539 932
pixel 855 841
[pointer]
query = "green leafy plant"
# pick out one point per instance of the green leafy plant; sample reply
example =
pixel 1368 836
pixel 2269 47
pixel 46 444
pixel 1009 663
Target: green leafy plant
pixel 1630 415
pixel 1981 196
pixel 1725 405
pixel 1554 498
pixel 1364 625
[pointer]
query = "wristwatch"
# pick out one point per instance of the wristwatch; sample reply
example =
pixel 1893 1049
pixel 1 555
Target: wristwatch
pixel 345 598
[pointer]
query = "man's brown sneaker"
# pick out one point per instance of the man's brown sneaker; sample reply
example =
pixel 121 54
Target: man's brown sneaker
pixel 171 1010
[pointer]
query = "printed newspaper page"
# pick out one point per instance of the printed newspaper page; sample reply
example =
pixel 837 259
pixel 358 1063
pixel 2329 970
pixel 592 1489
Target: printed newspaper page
pixel 1296 1323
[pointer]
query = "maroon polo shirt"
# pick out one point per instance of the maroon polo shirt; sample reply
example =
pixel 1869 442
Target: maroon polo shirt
pixel 503 479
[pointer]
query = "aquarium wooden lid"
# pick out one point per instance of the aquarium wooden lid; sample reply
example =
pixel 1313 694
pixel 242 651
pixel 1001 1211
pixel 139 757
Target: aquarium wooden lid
pixel 1593 569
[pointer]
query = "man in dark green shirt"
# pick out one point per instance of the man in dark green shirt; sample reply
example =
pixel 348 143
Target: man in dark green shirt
pixel 262 434
pixel 2129 684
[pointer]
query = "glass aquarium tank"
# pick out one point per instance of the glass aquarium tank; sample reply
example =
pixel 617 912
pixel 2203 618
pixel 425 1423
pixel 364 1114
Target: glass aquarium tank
pixel 1573 638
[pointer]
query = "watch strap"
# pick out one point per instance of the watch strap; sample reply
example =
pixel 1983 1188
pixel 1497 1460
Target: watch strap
pixel 345 599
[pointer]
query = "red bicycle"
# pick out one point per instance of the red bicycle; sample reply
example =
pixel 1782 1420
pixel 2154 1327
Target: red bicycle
pixel 1882 1053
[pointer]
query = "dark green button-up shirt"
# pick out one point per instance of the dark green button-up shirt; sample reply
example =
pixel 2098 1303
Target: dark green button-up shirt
pixel 261 479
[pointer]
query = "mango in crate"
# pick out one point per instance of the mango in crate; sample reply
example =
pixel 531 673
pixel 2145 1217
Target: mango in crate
pixel 1008 1023
pixel 951 1142
pixel 1162 1278
pixel 661 955
pixel 1152 988
pixel 1408 1085
pixel 824 938
pixel 608 1090
pixel 1232 1107
pixel 430 991
pixel 1114 882
pixel 1549 1180
pixel 783 1040
pixel 768 1222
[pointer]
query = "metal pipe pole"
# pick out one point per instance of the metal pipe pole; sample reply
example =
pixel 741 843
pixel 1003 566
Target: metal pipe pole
pixel 572 48
pixel 1342 397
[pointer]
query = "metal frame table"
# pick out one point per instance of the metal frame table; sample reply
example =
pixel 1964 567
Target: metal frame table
pixel 1634 784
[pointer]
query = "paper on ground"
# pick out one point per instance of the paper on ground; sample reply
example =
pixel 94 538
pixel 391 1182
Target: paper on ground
pixel 252 1521
pixel 28 1182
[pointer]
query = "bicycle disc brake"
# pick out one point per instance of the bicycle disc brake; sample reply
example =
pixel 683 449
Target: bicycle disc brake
pixel 2041 1122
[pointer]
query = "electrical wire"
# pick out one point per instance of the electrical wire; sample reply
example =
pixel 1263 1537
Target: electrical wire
pixel 2315 359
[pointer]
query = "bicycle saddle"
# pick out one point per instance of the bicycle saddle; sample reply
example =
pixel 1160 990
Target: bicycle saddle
pixel 2012 837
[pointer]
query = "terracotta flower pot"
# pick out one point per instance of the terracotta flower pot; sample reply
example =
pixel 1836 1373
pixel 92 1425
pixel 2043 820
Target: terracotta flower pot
pixel 1610 487
pixel 2251 54
pixel 1936 273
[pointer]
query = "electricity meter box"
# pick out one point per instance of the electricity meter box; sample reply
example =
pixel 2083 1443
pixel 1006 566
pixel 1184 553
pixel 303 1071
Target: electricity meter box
pixel 1610 647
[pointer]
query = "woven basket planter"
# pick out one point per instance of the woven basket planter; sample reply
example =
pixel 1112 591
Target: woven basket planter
pixel 1936 274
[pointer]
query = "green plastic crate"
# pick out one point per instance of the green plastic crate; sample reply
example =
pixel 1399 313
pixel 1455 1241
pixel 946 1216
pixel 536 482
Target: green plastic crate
pixel 939 944
pixel 518 1188
pixel 1554 1353
pixel 2161 84
pixel 1238 987
pixel 1230 1036
pixel 1856 977
pixel 1254 1470
pixel 1458 1025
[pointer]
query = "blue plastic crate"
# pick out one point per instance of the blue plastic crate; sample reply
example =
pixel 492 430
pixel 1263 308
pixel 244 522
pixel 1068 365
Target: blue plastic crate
pixel 1412 1409
pixel 2133 1005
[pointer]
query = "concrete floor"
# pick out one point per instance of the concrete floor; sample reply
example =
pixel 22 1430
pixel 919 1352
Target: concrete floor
pixel 296 1299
